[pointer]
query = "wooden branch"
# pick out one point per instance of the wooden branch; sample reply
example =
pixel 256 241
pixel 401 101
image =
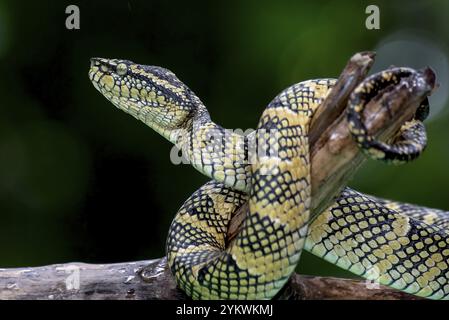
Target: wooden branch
pixel 354 72
pixel 149 280
pixel 334 158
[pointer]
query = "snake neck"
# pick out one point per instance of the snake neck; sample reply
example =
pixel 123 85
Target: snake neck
pixel 219 153
pixel 176 134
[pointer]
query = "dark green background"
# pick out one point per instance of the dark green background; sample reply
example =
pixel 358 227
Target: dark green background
pixel 82 181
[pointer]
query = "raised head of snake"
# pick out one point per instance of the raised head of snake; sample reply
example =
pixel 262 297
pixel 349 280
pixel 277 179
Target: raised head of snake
pixel 158 98
pixel 151 94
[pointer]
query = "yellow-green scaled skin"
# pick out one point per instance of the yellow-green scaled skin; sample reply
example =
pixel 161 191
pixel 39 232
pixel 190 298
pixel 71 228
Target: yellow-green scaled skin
pixel 400 245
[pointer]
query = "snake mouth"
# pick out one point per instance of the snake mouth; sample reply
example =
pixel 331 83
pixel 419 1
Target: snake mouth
pixel 94 68
pixel 102 66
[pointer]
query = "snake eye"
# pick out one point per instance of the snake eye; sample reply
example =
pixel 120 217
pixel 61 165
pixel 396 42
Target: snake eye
pixel 122 69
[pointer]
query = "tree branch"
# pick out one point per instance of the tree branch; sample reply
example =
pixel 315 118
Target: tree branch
pixel 334 158
pixel 151 279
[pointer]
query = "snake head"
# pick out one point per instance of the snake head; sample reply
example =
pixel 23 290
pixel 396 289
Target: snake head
pixel 149 93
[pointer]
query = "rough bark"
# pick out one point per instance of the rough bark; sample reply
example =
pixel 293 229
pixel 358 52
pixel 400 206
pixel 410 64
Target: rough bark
pixel 151 279
pixel 334 158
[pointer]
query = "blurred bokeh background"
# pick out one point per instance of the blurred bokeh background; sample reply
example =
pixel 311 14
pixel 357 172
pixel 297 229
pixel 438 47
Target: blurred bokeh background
pixel 82 181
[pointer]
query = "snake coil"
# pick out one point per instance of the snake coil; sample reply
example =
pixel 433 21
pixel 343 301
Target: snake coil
pixel 400 245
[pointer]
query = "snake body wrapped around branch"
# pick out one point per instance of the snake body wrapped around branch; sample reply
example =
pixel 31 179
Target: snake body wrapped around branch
pixel 270 169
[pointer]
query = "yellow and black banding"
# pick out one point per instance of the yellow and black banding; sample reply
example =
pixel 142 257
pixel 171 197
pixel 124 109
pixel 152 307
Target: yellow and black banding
pixel 412 139
pixel 401 245
pixel 363 235
pixel 264 254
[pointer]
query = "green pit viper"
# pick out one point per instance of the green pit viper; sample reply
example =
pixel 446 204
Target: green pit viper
pixel 405 246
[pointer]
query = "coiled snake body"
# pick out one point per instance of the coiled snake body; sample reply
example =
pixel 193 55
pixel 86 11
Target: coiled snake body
pixel 400 245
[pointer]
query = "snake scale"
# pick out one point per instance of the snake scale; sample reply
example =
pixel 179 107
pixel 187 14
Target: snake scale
pixel 400 245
